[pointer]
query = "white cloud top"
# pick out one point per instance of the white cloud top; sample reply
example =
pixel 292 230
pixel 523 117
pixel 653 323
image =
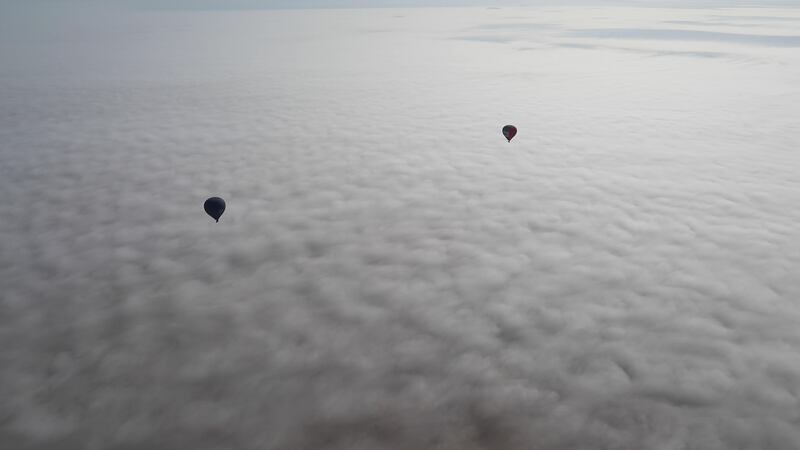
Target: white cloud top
pixel 390 273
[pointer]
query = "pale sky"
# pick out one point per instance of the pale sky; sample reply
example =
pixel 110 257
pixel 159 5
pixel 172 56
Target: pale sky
pixel 233 4
pixel 237 4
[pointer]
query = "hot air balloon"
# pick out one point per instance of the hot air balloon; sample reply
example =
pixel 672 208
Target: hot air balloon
pixel 214 206
pixel 509 131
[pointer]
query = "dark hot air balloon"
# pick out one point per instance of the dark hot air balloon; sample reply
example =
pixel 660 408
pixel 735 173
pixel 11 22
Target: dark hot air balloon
pixel 509 131
pixel 214 206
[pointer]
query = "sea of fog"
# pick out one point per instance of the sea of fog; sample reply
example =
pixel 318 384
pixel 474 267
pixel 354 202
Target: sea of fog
pixel 390 273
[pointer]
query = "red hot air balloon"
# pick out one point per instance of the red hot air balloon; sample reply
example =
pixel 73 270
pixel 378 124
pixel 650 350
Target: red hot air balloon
pixel 509 131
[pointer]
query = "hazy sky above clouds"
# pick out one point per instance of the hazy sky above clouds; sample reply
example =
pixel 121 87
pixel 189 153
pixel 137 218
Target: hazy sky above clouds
pixel 445 3
pixel 258 4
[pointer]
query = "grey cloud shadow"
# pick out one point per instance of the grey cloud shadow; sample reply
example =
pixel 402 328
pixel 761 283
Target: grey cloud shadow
pixel 765 40
pixel 518 26
pixel 650 52
pixel 709 24
pixel 492 39
pixel 486 31
pixel 761 18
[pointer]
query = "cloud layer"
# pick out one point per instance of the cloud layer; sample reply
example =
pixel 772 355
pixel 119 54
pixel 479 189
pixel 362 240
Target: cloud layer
pixel 390 273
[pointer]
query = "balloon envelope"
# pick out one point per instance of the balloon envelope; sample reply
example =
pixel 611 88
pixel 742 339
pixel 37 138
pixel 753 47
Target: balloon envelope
pixel 214 206
pixel 509 131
